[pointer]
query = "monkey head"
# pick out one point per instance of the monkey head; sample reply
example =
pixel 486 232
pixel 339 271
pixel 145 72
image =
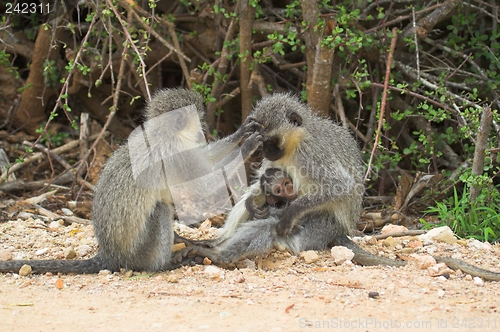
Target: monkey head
pixel 174 99
pixel 284 121
pixel 277 186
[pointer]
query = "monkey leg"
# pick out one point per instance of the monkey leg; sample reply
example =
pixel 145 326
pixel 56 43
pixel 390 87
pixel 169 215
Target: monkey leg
pixel 154 250
pixel 251 239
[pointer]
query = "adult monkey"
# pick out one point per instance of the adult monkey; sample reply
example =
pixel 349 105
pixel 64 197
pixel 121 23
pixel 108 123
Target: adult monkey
pixel 133 216
pixel 324 163
pixel 325 166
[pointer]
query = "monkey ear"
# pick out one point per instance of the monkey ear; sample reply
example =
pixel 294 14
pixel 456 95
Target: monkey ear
pixel 295 119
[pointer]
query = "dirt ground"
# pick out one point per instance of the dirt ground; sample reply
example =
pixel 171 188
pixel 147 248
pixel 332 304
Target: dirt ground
pixel 280 292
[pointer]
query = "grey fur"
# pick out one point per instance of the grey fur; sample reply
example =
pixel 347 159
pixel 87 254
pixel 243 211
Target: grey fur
pixel 134 223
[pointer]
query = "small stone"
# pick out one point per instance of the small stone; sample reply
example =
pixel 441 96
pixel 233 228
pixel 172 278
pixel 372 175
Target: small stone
pixel 309 256
pixel 25 270
pixel 42 251
pixel 59 283
pixel 104 272
pixel 128 274
pixel 441 293
pixel 441 234
pixel 341 255
pixel 390 228
pixel 425 261
pixel 373 295
pixel 436 269
pixel 178 246
pixel 415 244
pixel 83 250
pixel 5 255
pixel 478 281
pixel 69 253
pixel 389 242
pixel 480 245
pixel 67 212
pixel 206 261
pixel 371 241
pixel 215 272
pixel 55 225
pixel 172 279
pixel 407 251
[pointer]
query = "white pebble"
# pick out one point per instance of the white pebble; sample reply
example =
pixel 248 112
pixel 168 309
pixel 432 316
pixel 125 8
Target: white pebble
pixel 54 224
pixel 42 251
pixel 67 212
pixel 478 281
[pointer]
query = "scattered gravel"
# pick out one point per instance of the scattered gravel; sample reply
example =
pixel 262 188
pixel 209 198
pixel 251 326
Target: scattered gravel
pixel 278 292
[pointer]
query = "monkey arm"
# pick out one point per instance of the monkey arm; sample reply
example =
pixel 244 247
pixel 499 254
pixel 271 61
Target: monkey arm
pixel 249 240
pixel 221 149
pixel 294 211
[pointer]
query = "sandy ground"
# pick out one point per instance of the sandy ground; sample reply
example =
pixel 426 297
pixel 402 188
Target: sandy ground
pixel 280 292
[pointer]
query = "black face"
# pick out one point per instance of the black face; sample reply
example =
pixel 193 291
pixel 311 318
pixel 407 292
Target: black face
pixel 271 148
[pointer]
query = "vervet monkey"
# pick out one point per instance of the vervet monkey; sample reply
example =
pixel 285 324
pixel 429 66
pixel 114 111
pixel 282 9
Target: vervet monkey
pixel 133 216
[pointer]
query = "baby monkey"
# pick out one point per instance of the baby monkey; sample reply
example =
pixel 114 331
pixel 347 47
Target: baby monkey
pixel 276 190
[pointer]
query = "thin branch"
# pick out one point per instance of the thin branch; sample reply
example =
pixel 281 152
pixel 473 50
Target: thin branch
pixel 384 99
pixel 246 13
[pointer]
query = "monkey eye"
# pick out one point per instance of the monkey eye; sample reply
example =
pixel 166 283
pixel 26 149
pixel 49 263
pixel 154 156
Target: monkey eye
pixel 278 191
pixel 295 119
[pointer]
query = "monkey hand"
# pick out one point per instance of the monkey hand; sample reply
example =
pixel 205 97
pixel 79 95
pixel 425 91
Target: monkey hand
pixel 250 126
pixel 251 145
pixel 261 212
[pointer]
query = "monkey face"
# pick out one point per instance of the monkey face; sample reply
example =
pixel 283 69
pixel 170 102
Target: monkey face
pixel 271 148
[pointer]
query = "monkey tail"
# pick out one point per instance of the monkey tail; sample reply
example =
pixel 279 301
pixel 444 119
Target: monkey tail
pixel 363 257
pixel 456 264
pixel 86 266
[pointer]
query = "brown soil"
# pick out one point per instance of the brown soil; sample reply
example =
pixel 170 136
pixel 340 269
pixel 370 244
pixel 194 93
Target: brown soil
pixel 282 294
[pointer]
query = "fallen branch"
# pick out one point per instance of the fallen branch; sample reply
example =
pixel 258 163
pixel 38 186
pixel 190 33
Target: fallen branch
pixel 400 234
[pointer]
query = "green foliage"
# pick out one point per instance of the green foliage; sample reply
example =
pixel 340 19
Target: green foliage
pixel 50 73
pixel 479 219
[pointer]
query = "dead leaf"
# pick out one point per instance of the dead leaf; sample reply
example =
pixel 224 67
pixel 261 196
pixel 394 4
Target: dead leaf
pixel 287 309
pixel 59 283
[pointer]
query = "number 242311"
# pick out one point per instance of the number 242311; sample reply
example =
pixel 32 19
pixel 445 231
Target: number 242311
pixel 27 8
